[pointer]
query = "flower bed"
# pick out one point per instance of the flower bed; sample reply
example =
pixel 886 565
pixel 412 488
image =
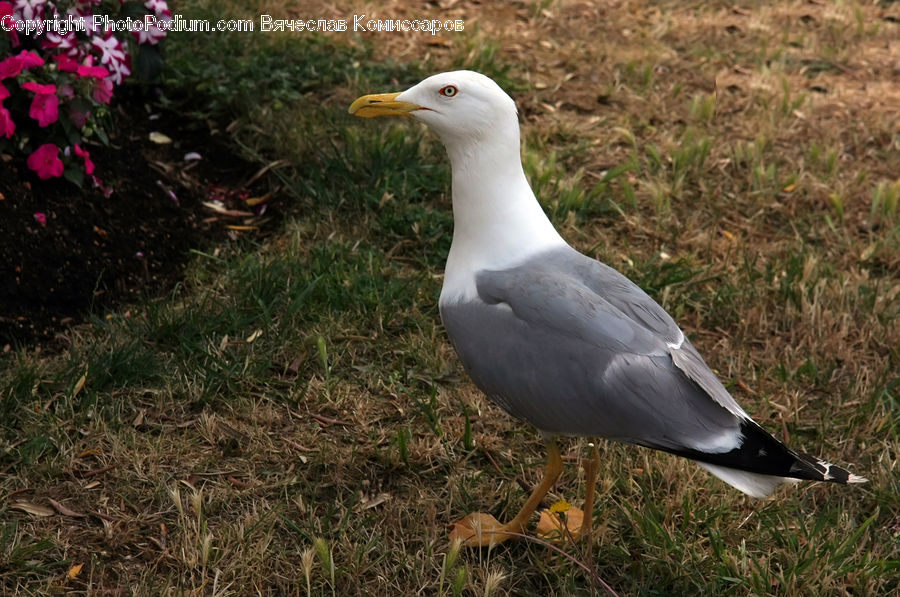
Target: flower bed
pixel 59 70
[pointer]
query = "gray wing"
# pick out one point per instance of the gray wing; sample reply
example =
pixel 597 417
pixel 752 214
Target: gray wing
pixel 632 301
pixel 577 350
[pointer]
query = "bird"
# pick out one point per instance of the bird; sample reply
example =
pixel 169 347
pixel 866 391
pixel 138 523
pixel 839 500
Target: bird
pixel 559 339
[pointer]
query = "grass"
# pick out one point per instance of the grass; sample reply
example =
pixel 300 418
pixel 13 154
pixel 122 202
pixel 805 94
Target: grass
pixel 292 419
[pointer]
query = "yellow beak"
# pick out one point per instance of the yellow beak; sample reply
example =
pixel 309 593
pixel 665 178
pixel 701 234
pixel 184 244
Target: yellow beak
pixel 382 104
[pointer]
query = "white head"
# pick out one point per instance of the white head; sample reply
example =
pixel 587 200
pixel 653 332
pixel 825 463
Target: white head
pixel 463 107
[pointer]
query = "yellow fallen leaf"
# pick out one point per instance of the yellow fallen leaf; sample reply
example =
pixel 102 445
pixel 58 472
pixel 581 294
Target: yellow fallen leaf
pixel 79 385
pixel 159 138
pixel 252 337
pixel 75 570
pixel 241 228
pixel 253 201
pixel 550 525
pixel 789 188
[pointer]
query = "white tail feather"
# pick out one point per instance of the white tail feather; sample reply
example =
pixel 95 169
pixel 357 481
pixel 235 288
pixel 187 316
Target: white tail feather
pixel 753 484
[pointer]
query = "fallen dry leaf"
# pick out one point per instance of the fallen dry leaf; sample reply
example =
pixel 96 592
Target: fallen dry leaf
pixel 79 385
pixel 32 508
pixel 368 502
pixel 475 529
pixel 64 510
pixel 254 201
pixel 550 526
pixel 221 209
pixel 75 570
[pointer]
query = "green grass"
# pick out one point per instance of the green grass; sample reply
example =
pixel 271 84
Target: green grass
pixel 292 419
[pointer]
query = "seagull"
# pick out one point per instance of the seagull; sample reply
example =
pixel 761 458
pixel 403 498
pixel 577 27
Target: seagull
pixel 559 339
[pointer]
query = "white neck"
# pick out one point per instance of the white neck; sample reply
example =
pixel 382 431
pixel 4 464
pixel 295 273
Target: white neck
pixel 497 220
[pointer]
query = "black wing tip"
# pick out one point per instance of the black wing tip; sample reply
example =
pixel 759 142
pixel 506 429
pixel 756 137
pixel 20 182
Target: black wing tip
pixel 762 454
pixel 823 471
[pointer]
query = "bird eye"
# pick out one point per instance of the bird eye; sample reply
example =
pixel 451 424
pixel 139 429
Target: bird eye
pixel 449 90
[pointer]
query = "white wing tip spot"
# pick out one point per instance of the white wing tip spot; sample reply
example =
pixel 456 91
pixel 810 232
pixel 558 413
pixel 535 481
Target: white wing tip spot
pixel 676 345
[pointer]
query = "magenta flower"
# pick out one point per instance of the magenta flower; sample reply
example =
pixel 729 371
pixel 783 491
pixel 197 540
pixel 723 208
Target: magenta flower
pixel 88 164
pixel 45 105
pixel 10 67
pixel 65 63
pixel 4 92
pixel 97 72
pixel 45 161
pixel 6 14
pixel 30 59
pixel 7 126
pixel 103 91
pixel 41 218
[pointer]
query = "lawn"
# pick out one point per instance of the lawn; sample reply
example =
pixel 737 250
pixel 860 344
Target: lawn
pixel 291 419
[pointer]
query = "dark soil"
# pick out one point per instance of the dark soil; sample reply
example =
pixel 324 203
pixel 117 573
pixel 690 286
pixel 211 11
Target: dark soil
pixel 123 241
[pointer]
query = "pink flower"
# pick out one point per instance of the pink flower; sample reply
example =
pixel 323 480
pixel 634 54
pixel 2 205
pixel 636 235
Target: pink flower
pixel 6 19
pixel 45 105
pixel 30 59
pixel 30 9
pixel 97 72
pixel 152 33
pixel 7 126
pixel 41 218
pixel 38 88
pixel 65 63
pixel 110 48
pixel 157 6
pixel 120 70
pixel 88 164
pixel 103 91
pixel 45 161
pixel 10 67
pixel 67 42
pixel 4 92
pixel 113 57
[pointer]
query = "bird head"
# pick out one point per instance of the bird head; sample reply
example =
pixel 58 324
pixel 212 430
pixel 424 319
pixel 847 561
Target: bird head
pixel 460 106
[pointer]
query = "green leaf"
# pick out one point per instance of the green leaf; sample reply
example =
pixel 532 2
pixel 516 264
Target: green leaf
pixel 74 175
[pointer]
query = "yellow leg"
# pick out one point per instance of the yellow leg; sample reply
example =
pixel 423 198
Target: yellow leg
pixel 476 530
pixel 590 474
